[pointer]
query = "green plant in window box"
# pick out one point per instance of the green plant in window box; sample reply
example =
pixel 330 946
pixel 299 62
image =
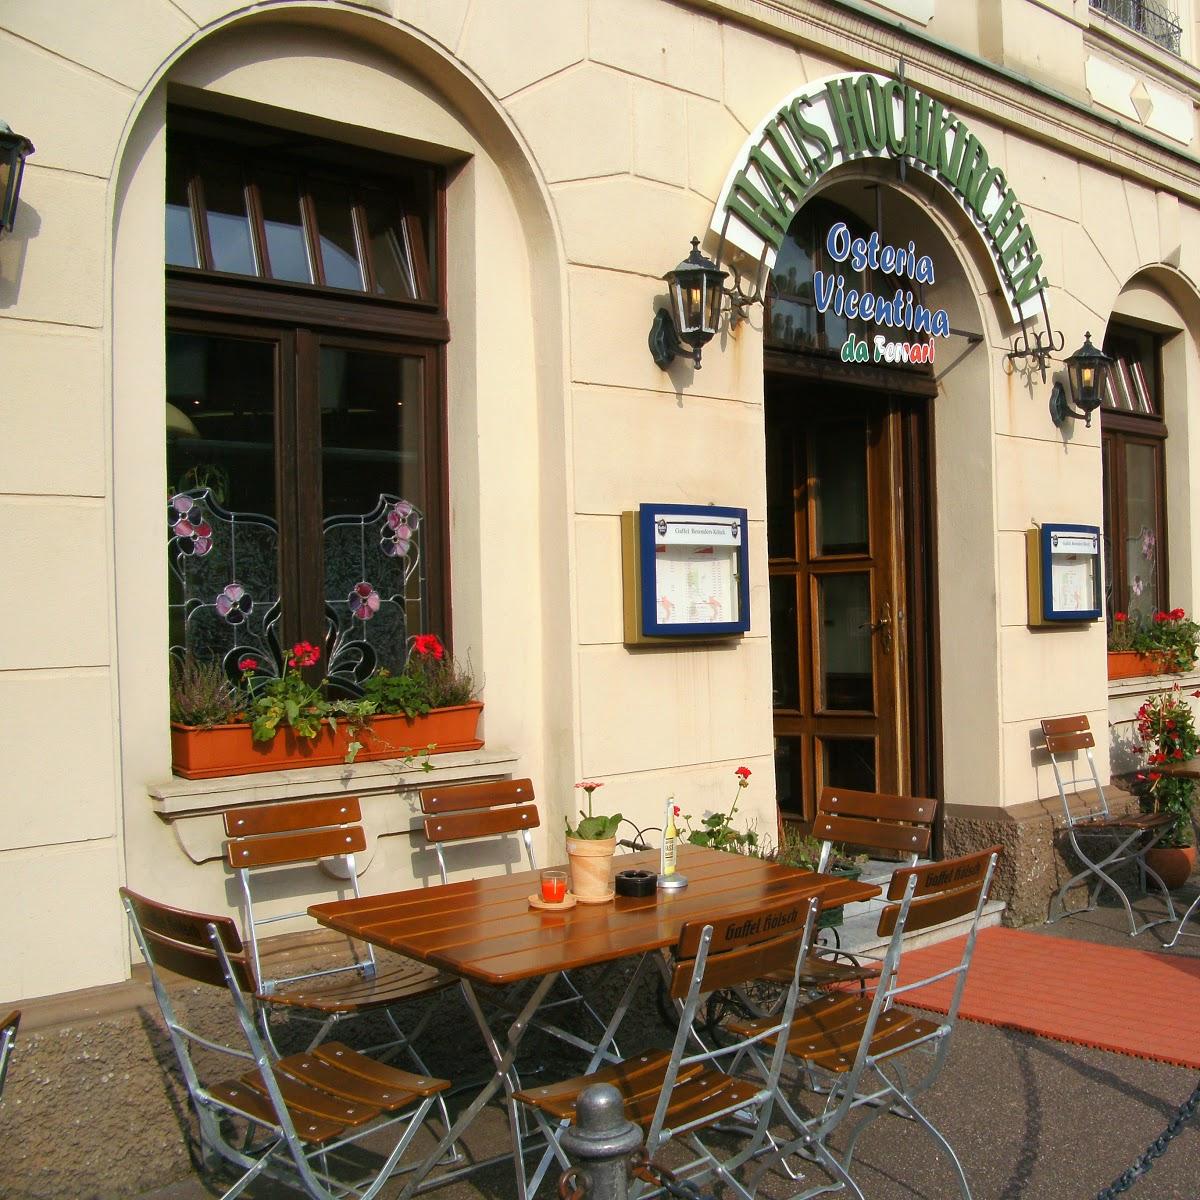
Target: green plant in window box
pixel 717 831
pixel 1172 634
pixel 803 851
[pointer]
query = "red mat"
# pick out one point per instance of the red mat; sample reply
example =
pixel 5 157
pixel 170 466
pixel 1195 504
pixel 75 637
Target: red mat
pixel 1130 1001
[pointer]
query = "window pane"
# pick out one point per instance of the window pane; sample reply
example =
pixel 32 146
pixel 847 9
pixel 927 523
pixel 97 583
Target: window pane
pixel 843 608
pixel 223 540
pixel 781 490
pixel 390 256
pixel 788 786
pixel 848 763
pixel 373 491
pixel 339 248
pixel 181 234
pixel 840 489
pixel 785 680
pixel 228 224
pixel 1142 542
pixel 283 221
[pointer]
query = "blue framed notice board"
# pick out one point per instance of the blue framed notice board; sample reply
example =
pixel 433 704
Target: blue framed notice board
pixel 1064 573
pixel 686 573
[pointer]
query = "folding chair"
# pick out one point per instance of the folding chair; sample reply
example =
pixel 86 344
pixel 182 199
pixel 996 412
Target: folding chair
pixel 873 821
pixel 675 1093
pixel 269 838
pixel 473 812
pixel 1128 837
pixel 861 1054
pixel 299 1118
pixel 8 1039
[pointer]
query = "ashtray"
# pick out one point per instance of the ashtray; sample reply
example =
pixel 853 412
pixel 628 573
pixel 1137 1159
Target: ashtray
pixel 568 901
pixel 636 883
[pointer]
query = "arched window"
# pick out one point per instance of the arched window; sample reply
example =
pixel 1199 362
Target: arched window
pixel 305 432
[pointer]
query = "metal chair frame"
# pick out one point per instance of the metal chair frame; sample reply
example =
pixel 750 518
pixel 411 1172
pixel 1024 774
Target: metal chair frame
pixel 1134 835
pixel 501 808
pixel 8 1040
pixel 744 946
pixel 269 841
pixel 876 1082
pixel 332 1090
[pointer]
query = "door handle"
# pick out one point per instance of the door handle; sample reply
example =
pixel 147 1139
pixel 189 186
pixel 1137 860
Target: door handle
pixel 883 625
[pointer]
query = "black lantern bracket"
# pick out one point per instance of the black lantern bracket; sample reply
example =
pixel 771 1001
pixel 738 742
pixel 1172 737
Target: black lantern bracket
pixel 14 150
pixel 1043 346
pixel 1086 371
pixel 696 288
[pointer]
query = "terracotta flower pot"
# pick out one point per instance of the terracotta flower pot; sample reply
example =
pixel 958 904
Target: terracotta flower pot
pixel 198 753
pixel 1172 863
pixel 591 867
pixel 1128 664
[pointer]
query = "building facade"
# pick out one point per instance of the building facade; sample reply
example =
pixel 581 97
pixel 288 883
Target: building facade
pixel 304 259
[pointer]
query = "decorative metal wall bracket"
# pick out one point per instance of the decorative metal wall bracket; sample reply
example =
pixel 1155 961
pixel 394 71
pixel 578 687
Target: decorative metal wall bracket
pixel 1045 343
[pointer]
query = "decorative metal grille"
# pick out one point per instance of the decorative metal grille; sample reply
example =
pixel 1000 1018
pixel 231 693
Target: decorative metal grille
pixel 225 599
pixel 1151 18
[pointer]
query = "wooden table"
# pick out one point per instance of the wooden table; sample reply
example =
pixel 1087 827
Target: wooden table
pixel 485 932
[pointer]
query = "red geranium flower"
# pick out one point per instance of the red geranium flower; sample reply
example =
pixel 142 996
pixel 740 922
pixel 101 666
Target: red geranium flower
pixel 429 645
pixel 247 663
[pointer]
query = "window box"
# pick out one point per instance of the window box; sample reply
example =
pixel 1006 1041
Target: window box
pixel 1130 664
pixel 199 753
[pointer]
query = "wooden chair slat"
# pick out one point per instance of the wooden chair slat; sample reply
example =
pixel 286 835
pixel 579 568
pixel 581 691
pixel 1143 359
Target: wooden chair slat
pixel 312 1102
pixel 876 805
pixel 631 1077
pixel 1074 724
pixel 292 815
pixel 180 925
pixel 279 849
pixel 884 835
pixel 931 910
pixel 310 1129
pixel 397 979
pixel 11 1022
pixel 198 963
pixel 947 875
pixel 819 971
pixel 325 1073
pixel 728 968
pixel 379 1074
pixel 1065 743
pixel 743 928
pixel 467 796
pixel 452 826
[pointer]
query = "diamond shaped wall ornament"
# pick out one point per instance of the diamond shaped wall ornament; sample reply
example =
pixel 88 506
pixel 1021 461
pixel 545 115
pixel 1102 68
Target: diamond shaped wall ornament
pixel 1142 101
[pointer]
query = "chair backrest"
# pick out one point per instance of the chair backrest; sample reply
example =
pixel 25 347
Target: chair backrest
pixel 471 811
pixel 726 951
pixel 8 1037
pixel 293 833
pixel 1065 737
pixel 875 820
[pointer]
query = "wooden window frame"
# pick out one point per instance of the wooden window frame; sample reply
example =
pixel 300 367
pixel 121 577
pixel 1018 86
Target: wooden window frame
pixel 303 317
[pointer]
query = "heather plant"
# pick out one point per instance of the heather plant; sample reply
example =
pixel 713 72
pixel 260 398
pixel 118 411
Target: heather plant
pixel 201 693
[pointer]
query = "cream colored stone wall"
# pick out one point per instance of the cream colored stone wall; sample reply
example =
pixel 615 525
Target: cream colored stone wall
pixel 586 140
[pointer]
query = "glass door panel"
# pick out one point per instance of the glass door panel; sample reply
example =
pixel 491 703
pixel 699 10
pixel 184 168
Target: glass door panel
pixel 785 673
pixel 846 678
pixel 848 763
pixel 839 490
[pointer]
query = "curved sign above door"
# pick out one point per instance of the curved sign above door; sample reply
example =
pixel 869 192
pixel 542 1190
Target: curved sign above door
pixel 845 118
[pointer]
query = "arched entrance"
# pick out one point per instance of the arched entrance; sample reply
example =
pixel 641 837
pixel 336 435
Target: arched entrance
pixel 851 530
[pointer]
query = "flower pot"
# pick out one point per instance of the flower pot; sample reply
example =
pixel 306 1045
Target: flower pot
pixel 1129 664
pixel 1173 864
pixel 591 867
pixel 198 753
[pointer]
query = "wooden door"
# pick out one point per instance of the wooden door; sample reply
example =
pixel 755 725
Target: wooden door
pixel 839 607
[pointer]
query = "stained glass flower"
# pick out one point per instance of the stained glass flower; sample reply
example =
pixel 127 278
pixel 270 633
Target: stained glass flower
pixel 234 604
pixel 396 535
pixel 192 532
pixel 363 601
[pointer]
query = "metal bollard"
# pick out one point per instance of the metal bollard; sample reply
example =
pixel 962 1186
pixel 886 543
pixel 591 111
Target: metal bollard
pixel 601 1141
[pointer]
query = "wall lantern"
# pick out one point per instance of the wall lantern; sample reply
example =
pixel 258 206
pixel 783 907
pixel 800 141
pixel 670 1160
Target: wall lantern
pixel 1086 372
pixel 696 290
pixel 14 149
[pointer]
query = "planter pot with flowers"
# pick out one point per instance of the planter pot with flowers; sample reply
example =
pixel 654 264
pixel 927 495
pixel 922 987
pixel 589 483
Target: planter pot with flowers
pixel 590 849
pixel 1166 726
pixel 273 721
pixel 1164 643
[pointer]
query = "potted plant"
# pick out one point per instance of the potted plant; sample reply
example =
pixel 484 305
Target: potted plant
pixel 717 832
pixel 801 850
pixel 590 849
pixel 274 717
pixel 1167 642
pixel 1167 728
